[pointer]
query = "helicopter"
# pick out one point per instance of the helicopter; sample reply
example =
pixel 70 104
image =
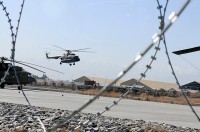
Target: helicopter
pixel 23 76
pixel 68 57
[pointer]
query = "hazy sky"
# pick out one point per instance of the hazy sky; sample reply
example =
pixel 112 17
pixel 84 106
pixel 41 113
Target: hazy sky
pixel 116 30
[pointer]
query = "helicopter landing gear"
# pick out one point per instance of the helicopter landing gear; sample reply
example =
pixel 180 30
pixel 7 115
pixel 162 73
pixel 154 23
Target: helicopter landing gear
pixel 70 64
pixel 73 63
pixel 60 63
pixel 19 87
pixel 2 85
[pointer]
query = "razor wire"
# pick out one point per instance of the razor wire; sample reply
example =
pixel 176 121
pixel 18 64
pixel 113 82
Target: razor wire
pixel 13 42
pixel 157 37
pixel 143 75
pixel 171 66
pixel 14 38
pixel 177 81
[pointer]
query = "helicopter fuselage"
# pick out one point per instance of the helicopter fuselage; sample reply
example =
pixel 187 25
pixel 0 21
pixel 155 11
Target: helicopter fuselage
pixel 23 76
pixel 70 59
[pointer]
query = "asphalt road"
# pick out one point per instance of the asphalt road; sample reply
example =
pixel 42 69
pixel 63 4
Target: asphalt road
pixel 178 115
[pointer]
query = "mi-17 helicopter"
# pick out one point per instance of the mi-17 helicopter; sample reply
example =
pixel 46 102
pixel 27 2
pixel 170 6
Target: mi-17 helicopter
pixel 68 57
pixel 23 76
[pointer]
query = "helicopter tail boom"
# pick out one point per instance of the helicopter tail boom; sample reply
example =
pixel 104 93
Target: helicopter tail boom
pixel 53 57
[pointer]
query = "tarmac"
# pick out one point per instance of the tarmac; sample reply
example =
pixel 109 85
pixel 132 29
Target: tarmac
pixel 178 115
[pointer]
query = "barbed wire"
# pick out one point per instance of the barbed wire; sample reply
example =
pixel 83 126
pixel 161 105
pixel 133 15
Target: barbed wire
pixel 177 81
pixel 173 16
pixel 143 75
pixel 156 38
pixel 14 39
pixel 171 66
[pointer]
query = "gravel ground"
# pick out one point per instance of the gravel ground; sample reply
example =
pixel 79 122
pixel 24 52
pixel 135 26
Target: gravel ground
pixel 15 117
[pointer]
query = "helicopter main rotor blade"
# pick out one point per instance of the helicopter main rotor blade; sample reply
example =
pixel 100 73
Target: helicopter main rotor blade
pixel 22 63
pixel 185 51
pixel 59 47
pixel 70 50
pixel 83 49
pixel 53 49
pixel 40 66
pixel 6 59
pixel 28 66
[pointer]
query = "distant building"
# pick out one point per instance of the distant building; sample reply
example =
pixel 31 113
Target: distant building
pixel 192 86
pixel 49 82
pixel 81 80
pixel 41 82
pixel 158 85
pixel 143 85
pixel 98 80
pixel 149 84
pixel 137 87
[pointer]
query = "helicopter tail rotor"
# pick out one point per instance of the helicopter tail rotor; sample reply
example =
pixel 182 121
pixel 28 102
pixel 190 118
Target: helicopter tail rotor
pixel 47 54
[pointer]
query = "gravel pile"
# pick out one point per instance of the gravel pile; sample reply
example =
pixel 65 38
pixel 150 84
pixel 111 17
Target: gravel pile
pixel 16 117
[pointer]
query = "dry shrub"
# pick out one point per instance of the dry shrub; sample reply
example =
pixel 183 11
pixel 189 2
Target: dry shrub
pixel 145 97
pixel 89 91
pixel 95 91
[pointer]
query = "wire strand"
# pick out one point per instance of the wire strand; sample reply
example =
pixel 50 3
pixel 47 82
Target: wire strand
pixel 143 75
pixel 14 38
pixel 174 74
pixel 155 39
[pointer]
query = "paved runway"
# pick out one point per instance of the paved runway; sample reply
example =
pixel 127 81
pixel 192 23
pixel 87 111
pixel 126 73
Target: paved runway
pixel 178 115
